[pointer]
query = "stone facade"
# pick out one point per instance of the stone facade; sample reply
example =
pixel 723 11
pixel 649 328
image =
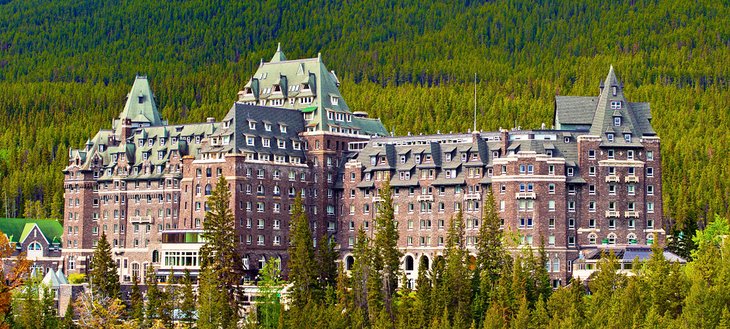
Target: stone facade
pixel 595 180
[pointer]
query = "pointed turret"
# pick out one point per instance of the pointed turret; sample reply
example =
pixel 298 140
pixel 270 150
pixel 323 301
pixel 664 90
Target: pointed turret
pixel 279 55
pixel 140 108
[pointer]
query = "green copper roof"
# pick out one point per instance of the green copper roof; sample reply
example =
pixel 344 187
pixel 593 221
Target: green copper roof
pixel 279 55
pixel 306 85
pixel 17 229
pixel 140 106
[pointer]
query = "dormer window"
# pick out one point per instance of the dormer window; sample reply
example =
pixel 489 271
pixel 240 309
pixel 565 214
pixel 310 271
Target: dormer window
pixel 305 86
pixel 282 129
pixel 566 139
pixel 277 88
pixel 627 138
pixel 266 142
pixel 613 90
pixel 250 140
pixel 609 137
pixel 615 105
pixel 248 91
pixel 280 144
pixel 334 100
pixel 252 125
pixel 267 126
pixel 617 121
pixel 140 99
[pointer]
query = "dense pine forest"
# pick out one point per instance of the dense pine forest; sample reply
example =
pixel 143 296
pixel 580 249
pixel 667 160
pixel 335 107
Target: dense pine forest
pixel 65 68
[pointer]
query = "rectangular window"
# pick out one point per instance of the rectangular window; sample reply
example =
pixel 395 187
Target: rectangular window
pixel 649 172
pixel 649 155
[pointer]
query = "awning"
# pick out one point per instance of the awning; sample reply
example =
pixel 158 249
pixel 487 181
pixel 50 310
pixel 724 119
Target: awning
pixel 308 109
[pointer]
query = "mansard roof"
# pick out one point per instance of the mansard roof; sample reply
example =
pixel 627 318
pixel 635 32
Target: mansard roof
pixel 236 125
pixel 322 86
pixel 562 146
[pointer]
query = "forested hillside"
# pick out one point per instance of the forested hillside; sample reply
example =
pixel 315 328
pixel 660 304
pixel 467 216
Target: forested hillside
pixel 65 68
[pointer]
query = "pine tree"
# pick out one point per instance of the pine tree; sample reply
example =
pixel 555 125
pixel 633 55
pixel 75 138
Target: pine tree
pixel 268 305
pixel 327 265
pixel 385 247
pixel 219 252
pixel 214 311
pixel 423 294
pixel 104 278
pixel 361 273
pixel 457 284
pixel 155 298
pixel 491 257
pixel 187 303
pixel 302 266
pixel 68 318
pixel 136 301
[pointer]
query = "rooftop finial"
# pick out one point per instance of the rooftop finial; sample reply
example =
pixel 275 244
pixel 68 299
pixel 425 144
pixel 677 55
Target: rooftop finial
pixel 278 46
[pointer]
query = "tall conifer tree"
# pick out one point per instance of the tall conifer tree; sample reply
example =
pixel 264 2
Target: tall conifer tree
pixel 104 277
pixel 302 265
pixel 219 253
pixel 385 247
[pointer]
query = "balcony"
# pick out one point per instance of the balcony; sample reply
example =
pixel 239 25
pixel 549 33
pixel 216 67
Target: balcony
pixel 612 213
pixel 525 195
pixel 631 214
pixel 612 179
pixel 631 179
pixel 425 198
pixel 472 196
pixel 141 219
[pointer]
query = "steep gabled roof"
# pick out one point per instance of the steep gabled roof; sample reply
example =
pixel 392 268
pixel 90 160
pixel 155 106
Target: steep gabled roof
pixel 140 106
pixel 17 229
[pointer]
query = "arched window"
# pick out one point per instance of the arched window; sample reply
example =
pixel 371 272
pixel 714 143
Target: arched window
pixel 409 263
pixel 425 262
pixel 278 258
pixel 612 239
pixel 592 238
pixel 349 263
pixel 631 238
pixel 548 265
pixel 207 189
pixel 262 261
pixel 35 246
pixel 197 189
pixel 155 256
pixel 556 264
pixel 650 239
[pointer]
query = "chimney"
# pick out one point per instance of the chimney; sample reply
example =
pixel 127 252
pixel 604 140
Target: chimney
pixel 504 138
pixel 126 129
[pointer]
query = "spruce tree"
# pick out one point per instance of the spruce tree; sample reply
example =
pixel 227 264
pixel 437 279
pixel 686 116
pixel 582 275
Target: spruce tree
pixel 491 257
pixel 360 273
pixel 302 266
pixel 423 294
pixel 457 286
pixel 104 278
pixel 68 318
pixel 219 253
pixel 386 255
pixel 155 298
pixel 214 310
pixel 268 305
pixel 327 265
pixel 187 302
pixel 136 301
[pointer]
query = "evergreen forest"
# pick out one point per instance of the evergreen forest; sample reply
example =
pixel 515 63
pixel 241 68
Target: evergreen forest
pixel 65 67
